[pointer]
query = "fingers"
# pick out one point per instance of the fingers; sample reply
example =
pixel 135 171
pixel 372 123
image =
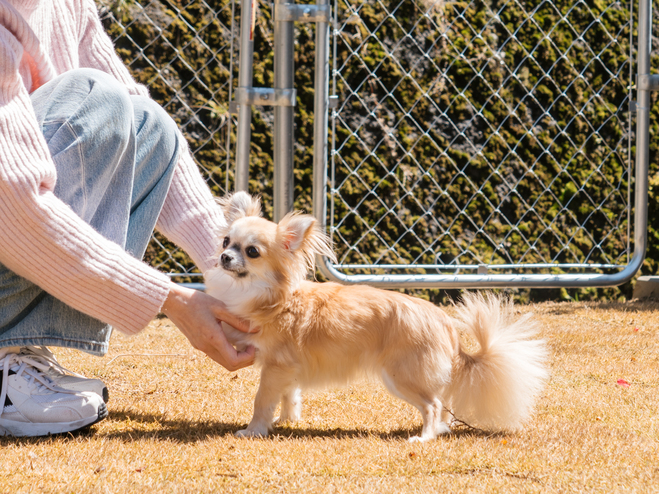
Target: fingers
pixel 198 317
pixel 246 357
pixel 231 359
pixel 219 349
pixel 240 324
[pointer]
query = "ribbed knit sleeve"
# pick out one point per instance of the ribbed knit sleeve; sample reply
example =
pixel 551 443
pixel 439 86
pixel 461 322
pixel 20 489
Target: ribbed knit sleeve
pixel 190 216
pixel 43 240
pixel 96 50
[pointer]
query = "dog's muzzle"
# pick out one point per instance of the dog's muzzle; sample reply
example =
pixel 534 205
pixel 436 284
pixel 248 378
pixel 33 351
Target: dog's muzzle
pixel 227 259
pixel 232 261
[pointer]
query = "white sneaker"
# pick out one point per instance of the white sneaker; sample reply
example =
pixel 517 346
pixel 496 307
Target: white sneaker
pixel 32 404
pixel 62 376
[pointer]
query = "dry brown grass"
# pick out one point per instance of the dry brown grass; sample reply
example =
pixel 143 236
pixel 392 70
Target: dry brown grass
pixel 172 418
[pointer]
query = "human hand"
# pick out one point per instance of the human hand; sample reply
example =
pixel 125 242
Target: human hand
pixel 199 316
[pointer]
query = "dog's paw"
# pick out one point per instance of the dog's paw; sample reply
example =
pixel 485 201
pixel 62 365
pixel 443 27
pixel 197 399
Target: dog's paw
pixel 286 419
pixel 420 439
pixel 440 429
pixel 443 428
pixel 253 433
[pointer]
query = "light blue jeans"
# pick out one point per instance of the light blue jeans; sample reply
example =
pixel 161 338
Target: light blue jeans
pixel 115 156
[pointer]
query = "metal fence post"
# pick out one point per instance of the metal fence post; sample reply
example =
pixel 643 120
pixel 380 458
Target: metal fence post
pixel 320 114
pixel 282 96
pixel 284 115
pixel 643 126
pixel 246 69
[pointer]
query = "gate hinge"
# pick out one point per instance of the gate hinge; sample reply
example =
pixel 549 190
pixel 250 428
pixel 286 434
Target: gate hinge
pixel 648 82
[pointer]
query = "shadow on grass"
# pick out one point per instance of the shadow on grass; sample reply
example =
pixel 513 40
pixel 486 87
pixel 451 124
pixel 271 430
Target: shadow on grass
pixel 128 425
pixel 144 425
pixel 399 434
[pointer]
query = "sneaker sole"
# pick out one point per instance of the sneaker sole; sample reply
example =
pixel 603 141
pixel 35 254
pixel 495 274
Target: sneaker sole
pixel 26 429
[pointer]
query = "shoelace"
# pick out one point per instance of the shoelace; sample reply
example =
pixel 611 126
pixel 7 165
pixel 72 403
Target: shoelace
pixel 44 355
pixel 24 365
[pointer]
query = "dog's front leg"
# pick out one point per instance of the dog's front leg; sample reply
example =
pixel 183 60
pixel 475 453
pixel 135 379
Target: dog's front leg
pixel 274 381
pixel 291 405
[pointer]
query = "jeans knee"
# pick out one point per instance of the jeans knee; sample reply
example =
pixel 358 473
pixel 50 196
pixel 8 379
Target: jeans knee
pixel 106 98
pixel 154 126
pixel 89 97
pixel 112 96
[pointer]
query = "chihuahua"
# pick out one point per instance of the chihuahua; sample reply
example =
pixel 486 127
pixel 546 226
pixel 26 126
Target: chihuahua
pixel 314 334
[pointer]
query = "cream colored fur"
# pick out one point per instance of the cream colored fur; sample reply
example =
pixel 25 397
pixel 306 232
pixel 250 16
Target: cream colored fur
pixel 318 334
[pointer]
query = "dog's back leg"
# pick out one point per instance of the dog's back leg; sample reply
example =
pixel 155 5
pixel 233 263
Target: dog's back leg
pixel 425 400
pixel 433 426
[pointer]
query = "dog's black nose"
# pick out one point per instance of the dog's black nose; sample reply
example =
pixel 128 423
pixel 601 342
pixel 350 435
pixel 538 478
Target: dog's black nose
pixel 226 258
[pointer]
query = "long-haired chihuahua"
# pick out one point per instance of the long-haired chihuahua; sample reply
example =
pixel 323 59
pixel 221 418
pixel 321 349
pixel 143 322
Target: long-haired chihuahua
pixel 318 334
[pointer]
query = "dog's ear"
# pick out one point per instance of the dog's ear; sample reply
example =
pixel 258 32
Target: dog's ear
pixel 293 229
pixel 239 205
pixel 300 232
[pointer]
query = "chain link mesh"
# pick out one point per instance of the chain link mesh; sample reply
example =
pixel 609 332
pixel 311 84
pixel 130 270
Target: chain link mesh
pixel 481 133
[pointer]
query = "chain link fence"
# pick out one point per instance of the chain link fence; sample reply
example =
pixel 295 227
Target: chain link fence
pixel 482 135
pixel 473 135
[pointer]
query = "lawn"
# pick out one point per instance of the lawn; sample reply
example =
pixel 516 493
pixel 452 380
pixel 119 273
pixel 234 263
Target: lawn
pixel 173 414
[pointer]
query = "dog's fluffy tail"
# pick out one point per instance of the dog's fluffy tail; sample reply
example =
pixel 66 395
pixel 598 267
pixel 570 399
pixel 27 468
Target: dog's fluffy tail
pixel 496 387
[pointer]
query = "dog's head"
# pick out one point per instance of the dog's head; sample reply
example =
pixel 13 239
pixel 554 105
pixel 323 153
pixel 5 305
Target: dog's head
pixel 257 251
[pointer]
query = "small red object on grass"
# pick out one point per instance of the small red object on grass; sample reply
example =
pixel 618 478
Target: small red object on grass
pixel 623 383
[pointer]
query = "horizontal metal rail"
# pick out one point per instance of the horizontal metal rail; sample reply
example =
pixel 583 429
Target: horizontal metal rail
pixel 480 267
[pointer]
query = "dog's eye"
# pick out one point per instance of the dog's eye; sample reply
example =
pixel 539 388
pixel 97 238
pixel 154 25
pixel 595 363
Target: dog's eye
pixel 252 252
pixel 225 244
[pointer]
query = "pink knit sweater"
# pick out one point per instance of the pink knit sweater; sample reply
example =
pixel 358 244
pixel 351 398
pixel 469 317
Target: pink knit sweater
pixel 41 238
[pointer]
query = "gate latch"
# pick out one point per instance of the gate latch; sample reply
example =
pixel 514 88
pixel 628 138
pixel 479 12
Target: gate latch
pixel 262 96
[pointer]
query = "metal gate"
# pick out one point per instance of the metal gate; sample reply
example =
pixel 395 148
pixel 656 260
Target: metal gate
pixel 489 145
